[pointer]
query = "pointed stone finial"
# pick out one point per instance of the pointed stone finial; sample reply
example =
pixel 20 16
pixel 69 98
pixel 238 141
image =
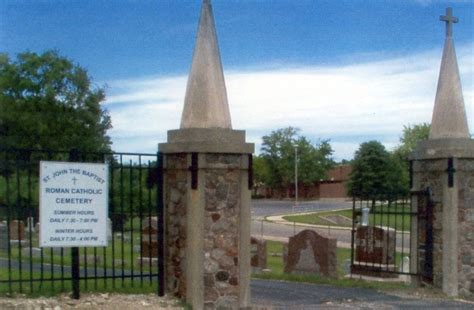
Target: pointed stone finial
pixel 205 103
pixel 449 115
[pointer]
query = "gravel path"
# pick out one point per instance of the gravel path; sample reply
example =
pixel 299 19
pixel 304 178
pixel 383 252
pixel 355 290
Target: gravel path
pixel 266 294
pixel 91 302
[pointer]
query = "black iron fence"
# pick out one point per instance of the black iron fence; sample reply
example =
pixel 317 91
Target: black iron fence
pixel 133 256
pixel 381 240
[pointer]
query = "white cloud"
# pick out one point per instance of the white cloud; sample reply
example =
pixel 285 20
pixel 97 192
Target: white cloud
pixel 348 104
pixel 429 2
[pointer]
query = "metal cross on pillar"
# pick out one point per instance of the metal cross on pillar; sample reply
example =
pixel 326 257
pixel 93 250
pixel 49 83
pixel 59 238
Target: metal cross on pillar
pixel 450 20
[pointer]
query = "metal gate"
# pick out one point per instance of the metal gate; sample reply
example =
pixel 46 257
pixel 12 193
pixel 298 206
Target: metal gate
pixel 133 257
pixel 393 238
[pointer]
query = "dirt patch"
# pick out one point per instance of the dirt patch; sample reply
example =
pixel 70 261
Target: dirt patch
pixel 91 301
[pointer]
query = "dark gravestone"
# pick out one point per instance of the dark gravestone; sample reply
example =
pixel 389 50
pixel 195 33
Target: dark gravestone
pixel 258 253
pixel 375 245
pixel 311 253
pixel 375 251
pixel 118 222
pixel 3 236
pixel 17 230
pixel 149 244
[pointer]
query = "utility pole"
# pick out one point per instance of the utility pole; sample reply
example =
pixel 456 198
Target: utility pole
pixel 296 178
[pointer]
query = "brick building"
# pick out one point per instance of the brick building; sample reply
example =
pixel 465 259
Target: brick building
pixel 333 187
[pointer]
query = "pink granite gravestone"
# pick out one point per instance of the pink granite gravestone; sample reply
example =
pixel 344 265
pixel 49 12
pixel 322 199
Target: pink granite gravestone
pixel 311 253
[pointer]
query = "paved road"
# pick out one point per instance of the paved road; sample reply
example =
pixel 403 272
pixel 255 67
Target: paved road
pixel 278 231
pixel 262 208
pixel 293 295
pixel 281 232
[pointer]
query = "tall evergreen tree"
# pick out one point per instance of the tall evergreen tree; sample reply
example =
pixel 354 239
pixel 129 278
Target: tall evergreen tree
pixel 375 174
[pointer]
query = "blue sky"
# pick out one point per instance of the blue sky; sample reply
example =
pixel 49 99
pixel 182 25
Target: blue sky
pixel 348 71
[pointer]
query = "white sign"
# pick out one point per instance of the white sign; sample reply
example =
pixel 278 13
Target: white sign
pixel 73 204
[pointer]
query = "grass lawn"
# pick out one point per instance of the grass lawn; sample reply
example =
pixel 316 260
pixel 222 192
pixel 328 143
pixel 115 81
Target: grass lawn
pixel 275 264
pixel 317 218
pixel 124 258
pixel 122 253
pixel 50 288
pixel 399 221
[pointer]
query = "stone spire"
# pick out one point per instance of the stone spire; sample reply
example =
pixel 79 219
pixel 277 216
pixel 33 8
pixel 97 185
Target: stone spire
pixel 205 103
pixel 449 115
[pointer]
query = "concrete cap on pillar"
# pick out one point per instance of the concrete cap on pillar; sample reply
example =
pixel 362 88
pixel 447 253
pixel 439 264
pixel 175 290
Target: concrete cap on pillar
pixel 449 114
pixel 205 103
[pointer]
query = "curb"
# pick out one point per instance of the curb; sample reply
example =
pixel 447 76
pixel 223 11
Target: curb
pixel 278 219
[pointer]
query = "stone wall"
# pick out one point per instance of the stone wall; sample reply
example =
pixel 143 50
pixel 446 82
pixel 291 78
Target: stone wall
pixel 430 173
pixel 218 239
pixel 221 228
pixel 433 173
pixel 465 175
pixel 175 222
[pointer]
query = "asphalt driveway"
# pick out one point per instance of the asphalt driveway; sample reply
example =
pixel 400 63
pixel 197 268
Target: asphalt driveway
pixel 293 295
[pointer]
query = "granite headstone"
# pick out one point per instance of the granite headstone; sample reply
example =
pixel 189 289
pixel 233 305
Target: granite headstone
pixel 312 253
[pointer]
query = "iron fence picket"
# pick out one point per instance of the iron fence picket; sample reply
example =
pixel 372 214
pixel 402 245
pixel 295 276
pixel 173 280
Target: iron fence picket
pixel 353 233
pixel 112 207
pixel 18 215
pixel 30 230
pixel 149 219
pixel 161 225
pixel 7 187
pixel 396 235
pixel 122 222
pixel 140 213
pixel 131 214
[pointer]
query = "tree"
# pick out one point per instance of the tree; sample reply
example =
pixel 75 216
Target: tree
pixel 261 173
pixel 375 174
pixel 278 152
pixel 410 138
pixel 408 141
pixel 47 102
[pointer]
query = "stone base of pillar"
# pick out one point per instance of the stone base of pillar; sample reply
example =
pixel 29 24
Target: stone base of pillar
pixel 207 207
pixel 453 224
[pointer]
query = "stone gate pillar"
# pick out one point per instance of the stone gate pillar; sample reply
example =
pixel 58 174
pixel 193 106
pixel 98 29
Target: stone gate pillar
pixel 445 163
pixel 447 167
pixel 207 207
pixel 207 180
